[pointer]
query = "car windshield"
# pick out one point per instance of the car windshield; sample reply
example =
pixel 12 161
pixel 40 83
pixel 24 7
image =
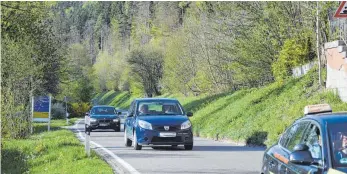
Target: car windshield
pixel 338 143
pixel 159 108
pixel 104 111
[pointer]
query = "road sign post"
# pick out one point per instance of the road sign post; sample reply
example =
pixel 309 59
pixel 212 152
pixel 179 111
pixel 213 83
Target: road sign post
pixel 87 132
pixel 32 114
pixel 49 113
pixel 41 110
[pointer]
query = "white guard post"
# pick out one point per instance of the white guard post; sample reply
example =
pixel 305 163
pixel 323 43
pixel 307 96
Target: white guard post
pixel 87 131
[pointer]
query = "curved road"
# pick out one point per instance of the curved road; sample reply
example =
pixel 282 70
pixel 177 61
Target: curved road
pixel 207 156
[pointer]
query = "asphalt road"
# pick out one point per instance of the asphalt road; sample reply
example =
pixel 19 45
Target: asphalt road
pixel 207 156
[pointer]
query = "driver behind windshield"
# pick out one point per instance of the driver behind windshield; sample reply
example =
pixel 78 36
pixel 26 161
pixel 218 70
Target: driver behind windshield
pixel 144 109
pixel 167 108
pixel 342 152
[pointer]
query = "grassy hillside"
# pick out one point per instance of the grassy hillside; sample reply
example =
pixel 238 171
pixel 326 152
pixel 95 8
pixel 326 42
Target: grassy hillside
pixel 252 116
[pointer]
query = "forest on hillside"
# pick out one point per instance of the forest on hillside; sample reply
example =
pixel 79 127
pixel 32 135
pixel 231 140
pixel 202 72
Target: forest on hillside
pixel 78 49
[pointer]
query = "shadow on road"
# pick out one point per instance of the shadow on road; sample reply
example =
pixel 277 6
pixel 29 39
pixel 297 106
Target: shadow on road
pixel 204 171
pixel 156 155
pixel 107 136
pixel 257 138
pixel 207 148
pixel 102 130
pixel 227 148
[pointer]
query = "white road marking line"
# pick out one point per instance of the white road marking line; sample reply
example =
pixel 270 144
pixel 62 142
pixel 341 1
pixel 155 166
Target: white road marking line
pixel 118 159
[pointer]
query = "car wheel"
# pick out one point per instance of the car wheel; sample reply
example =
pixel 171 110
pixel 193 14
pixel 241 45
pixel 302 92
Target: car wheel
pixel 188 147
pixel 135 144
pixel 127 142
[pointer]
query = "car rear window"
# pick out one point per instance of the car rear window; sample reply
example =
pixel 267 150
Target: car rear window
pixel 338 143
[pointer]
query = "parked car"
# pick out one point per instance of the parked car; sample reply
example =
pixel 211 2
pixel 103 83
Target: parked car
pixel 104 117
pixel 316 143
pixel 157 121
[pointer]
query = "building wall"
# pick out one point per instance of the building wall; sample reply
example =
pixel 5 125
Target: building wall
pixel 335 53
pixel 302 70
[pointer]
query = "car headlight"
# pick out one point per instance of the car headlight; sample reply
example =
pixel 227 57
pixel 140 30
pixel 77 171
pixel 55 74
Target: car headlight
pixel 186 125
pixel 116 120
pixel 93 120
pixel 145 124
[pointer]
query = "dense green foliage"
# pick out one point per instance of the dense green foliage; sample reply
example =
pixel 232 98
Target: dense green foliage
pixel 32 62
pixel 58 150
pixel 198 47
pixel 79 49
pixel 251 116
pixel 229 62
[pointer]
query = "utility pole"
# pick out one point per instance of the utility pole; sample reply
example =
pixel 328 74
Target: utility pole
pixel 318 53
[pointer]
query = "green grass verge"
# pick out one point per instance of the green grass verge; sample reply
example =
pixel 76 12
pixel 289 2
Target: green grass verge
pixel 253 116
pixel 57 151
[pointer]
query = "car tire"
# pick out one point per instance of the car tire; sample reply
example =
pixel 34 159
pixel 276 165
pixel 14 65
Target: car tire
pixel 135 144
pixel 188 147
pixel 127 142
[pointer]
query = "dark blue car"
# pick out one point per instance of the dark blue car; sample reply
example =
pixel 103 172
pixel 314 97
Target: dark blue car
pixel 157 121
pixel 104 117
pixel 316 143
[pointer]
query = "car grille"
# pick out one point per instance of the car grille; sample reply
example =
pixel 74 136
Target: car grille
pixel 171 128
pixel 166 139
pixel 104 121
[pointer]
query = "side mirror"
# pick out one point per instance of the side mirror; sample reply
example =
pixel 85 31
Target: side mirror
pixel 301 155
pixel 87 113
pixel 119 113
pixel 130 115
pixel 189 114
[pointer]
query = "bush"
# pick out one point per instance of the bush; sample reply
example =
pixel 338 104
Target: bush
pixel 58 111
pixel 295 52
pixel 79 109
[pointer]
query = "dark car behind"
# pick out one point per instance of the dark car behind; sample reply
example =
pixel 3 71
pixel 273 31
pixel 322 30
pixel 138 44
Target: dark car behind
pixel 104 117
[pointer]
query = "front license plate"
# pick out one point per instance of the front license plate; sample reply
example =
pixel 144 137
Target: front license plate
pixel 167 134
pixel 103 124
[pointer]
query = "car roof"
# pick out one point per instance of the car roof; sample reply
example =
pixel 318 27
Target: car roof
pixel 156 99
pixel 327 117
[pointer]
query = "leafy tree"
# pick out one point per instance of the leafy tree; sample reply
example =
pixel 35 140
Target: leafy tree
pixel 31 62
pixel 147 64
